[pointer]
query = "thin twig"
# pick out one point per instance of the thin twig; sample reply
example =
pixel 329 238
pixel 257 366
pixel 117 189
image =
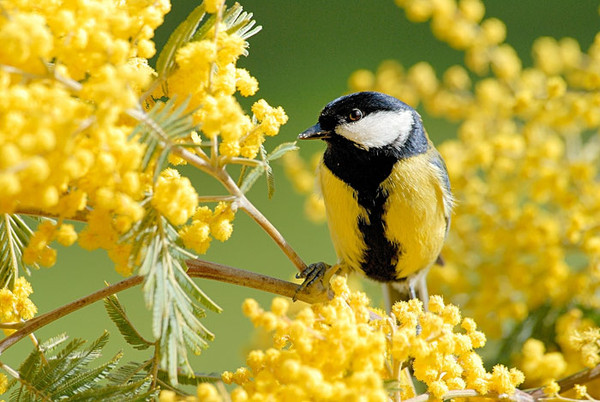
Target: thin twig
pixel 80 216
pixel 12 251
pixel 221 175
pixel 11 325
pixel 224 160
pixel 36 344
pixel 197 269
pixel 214 151
pixel 466 393
pixel 569 382
pixel 245 204
pixel 38 322
pixel 268 227
pixel 12 372
pixel 236 276
pixel 194 160
pixel 216 198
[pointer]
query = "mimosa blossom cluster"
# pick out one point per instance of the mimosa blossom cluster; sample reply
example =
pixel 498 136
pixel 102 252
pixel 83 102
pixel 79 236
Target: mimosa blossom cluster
pixel 342 348
pixel 77 91
pixel 71 72
pixel 525 235
pixel 68 72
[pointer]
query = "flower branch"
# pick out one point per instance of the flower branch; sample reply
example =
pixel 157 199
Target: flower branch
pixel 568 383
pixel 221 175
pixel 224 160
pixel 210 270
pixel 216 198
pixel 11 325
pixel 40 321
pixel 80 216
pixel 197 269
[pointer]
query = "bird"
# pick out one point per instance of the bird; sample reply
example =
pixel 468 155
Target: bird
pixel 386 192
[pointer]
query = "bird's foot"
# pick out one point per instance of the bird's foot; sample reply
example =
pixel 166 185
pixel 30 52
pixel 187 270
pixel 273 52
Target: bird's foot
pixel 316 278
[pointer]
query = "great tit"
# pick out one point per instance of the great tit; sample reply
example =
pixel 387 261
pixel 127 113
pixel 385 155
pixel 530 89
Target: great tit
pixel 386 191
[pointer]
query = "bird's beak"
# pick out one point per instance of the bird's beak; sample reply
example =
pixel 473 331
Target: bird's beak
pixel 314 132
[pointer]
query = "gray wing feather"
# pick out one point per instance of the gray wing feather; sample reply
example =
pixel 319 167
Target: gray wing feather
pixel 442 173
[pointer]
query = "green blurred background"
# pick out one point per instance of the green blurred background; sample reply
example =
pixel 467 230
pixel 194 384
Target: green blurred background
pixel 302 59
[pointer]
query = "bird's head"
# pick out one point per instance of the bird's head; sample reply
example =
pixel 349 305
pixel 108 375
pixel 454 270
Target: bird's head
pixel 368 120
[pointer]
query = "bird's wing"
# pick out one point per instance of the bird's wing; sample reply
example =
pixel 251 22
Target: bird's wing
pixel 442 175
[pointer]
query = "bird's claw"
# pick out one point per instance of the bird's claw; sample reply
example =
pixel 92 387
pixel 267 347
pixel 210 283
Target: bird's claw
pixel 314 274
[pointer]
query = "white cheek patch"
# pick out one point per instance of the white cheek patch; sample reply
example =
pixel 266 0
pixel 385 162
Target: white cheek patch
pixel 379 129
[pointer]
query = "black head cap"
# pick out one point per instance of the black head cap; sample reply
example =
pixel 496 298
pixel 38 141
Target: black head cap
pixel 338 111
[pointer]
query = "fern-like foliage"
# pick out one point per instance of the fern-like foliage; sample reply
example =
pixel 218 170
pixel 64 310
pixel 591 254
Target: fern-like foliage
pixel 14 237
pixel 195 379
pixel 159 129
pixel 175 300
pixel 236 22
pixel 247 179
pixel 116 312
pixel 133 371
pixel 50 374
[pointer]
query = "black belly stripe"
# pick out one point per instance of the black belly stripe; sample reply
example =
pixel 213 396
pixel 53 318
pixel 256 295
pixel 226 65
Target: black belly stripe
pixel 380 256
pixel 364 171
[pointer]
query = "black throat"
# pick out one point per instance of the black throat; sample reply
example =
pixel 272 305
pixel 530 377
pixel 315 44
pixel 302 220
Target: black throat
pixel 362 170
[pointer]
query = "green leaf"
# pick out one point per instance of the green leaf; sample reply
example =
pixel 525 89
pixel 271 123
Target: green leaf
pixel 180 36
pixel 246 181
pixel 135 391
pixel 161 163
pixel 53 343
pixel 195 379
pixel 236 22
pixel 117 314
pixel 31 365
pixel 75 363
pixel 50 374
pixel 281 150
pixel 251 178
pixel 190 287
pixel 176 302
pixel 87 379
pixel 240 22
pixel 203 30
pixel 243 171
pixel 14 237
pixel 130 372
pixel 46 376
pixel 270 182
pixel 160 302
pixel 158 130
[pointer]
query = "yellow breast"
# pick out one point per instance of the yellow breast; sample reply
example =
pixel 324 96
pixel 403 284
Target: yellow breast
pixel 414 215
pixel 343 212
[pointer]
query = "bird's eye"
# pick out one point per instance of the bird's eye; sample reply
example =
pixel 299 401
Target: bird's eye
pixel 355 114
